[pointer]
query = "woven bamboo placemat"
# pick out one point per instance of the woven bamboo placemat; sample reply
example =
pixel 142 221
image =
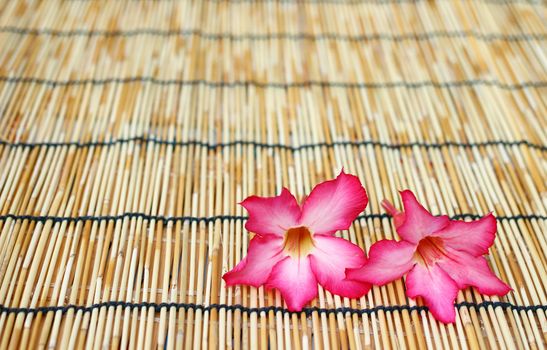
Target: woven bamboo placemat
pixel 131 129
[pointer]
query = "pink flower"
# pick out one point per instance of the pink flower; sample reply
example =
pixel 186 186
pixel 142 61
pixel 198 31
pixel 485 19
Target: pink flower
pixel 441 256
pixel 295 247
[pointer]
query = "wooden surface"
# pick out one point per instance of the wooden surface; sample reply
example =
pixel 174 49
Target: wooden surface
pixel 131 129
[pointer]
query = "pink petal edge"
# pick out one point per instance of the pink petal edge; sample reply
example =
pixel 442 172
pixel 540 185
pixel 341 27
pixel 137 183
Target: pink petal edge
pixel 467 270
pixel 329 260
pixel 388 260
pixel 272 215
pixel 473 237
pixel 263 253
pixel 398 217
pixel 295 280
pixel 419 222
pixel 436 288
pixel 333 205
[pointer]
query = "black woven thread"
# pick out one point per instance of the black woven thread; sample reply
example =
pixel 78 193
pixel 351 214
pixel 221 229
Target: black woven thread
pixel 437 34
pixel 308 311
pixel 275 85
pixel 209 219
pixel 221 145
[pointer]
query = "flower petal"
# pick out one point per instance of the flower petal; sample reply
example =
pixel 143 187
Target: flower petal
pixel 436 288
pixel 329 260
pixel 398 217
pixel 295 280
pixel 468 270
pixel 263 253
pixel 419 222
pixel 474 237
pixel 333 205
pixel 272 215
pixel 387 261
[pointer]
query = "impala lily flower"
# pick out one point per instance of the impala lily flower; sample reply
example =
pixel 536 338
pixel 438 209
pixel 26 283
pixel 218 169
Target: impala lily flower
pixel 441 256
pixel 295 248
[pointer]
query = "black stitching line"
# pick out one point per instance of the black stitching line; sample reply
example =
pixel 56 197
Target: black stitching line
pixel 277 85
pixel 448 34
pixel 209 219
pixel 308 311
pixel 256 144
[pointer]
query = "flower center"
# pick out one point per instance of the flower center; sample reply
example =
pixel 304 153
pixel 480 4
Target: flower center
pixel 430 249
pixel 298 242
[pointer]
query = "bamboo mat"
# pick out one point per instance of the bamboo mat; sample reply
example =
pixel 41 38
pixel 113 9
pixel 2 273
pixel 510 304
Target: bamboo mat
pixel 131 129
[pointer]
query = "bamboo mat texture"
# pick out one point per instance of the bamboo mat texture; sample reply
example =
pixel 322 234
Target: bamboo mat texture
pixel 130 130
